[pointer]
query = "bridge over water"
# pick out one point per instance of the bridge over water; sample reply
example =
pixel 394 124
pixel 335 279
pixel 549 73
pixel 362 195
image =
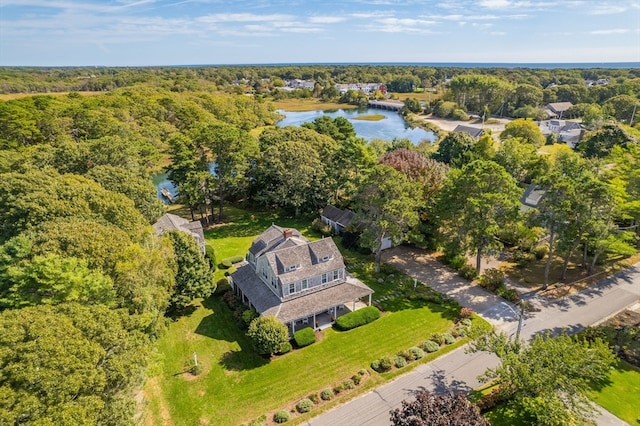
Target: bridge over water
pixel 388 105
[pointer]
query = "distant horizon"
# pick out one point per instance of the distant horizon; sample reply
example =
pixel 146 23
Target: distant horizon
pixel 544 65
pixel 126 33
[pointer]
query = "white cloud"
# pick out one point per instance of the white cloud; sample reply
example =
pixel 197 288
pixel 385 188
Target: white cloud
pixel 611 31
pixel 326 19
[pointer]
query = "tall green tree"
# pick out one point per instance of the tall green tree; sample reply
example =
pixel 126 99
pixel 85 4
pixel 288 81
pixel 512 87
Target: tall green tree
pixel 232 150
pixel 291 175
pixel 188 171
pixel 193 277
pixel 456 149
pixel 476 202
pixel 527 130
pixel 70 364
pixel 548 382
pixel 387 206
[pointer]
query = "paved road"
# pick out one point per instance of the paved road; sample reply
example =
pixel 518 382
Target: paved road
pixel 459 370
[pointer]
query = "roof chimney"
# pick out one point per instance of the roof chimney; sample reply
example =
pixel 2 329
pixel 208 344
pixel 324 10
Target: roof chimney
pixel 288 233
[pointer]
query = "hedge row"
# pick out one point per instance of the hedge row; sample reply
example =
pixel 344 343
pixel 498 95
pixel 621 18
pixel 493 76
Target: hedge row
pixel 357 318
pixel 230 261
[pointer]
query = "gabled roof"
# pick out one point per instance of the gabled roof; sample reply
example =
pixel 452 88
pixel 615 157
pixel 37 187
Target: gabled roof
pixel 172 222
pixel 475 132
pixel 558 107
pixel 531 197
pixel 343 217
pixel 273 237
pixel 311 259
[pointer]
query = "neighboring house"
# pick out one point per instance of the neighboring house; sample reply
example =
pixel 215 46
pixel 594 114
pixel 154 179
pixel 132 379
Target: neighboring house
pixel 339 219
pixel 336 218
pixel 531 197
pixel 171 222
pixel 474 132
pixel 300 282
pixel 557 109
pixel 568 132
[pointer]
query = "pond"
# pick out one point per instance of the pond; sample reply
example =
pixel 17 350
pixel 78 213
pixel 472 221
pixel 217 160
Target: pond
pixel 392 126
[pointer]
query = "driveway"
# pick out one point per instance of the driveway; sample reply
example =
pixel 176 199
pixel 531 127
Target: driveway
pixel 458 370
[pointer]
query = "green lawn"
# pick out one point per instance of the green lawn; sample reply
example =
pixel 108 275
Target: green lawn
pixel 237 385
pixel 622 394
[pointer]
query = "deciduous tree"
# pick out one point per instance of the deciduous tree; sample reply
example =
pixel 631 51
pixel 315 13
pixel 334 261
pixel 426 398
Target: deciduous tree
pixel 268 335
pixel 431 409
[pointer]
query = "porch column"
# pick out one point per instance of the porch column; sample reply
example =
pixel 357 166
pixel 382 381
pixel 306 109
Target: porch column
pixel 314 320
pixel 293 326
pixel 369 299
pixel 354 305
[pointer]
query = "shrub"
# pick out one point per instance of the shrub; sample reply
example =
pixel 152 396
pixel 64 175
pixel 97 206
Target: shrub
pixel 249 315
pixel 375 365
pixel 457 261
pixel 357 318
pixel 230 261
pixel 210 254
pixel 304 337
pixel 223 286
pixel 326 394
pixel 465 313
pixel 467 271
pixel 356 379
pixel 510 294
pixel 386 363
pixel 285 348
pixel 540 251
pixel 304 406
pixel 406 354
pixel 430 346
pixel 268 335
pixel 448 338
pixel 399 361
pixel 466 322
pixel 416 352
pixel 459 332
pixel 281 417
pixel 314 398
pixel 492 279
pixel 196 370
pixel 321 227
pixel 229 271
pixel 459 114
pixel 437 337
pixel 348 384
pixel 362 372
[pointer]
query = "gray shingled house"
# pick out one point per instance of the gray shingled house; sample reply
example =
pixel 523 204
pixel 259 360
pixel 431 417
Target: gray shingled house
pixel 171 222
pixel 474 132
pixel 336 218
pixel 300 282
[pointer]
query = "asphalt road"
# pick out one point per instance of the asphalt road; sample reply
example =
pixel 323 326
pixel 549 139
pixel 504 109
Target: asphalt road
pixel 458 370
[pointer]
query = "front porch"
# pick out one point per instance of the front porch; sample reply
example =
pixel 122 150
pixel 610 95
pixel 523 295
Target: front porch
pixel 326 318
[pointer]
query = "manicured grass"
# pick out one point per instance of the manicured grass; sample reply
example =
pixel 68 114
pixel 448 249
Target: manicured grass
pixel 622 394
pixel 237 385
pixel 372 117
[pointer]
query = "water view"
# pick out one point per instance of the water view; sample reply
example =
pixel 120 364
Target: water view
pixel 392 126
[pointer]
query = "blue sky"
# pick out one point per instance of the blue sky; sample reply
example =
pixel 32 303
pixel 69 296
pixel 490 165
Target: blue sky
pixel 181 32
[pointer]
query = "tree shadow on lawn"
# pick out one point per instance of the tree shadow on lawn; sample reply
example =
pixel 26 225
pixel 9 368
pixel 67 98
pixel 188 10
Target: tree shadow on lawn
pixel 220 325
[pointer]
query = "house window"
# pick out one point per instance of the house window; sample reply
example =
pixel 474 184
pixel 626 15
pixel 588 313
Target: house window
pixel 324 278
pixel 292 288
pixel 293 267
pixel 326 258
pixel 304 284
pixel 335 275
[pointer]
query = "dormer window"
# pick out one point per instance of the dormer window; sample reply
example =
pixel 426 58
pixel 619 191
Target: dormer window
pixel 293 268
pixel 326 258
